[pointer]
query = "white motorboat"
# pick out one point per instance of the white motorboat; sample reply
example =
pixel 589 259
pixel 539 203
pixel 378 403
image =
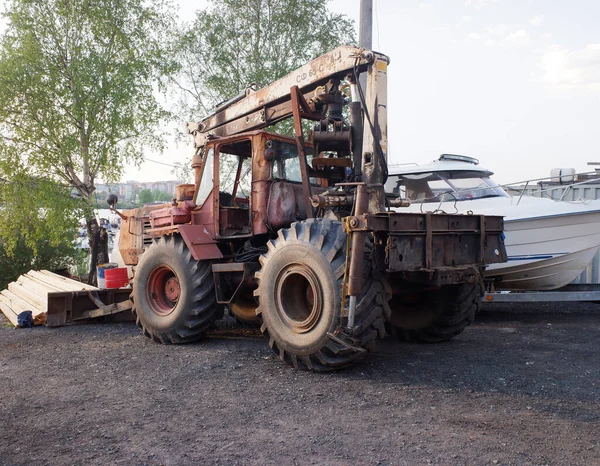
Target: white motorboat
pixel 548 243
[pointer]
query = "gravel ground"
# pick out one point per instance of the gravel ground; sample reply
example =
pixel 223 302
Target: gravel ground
pixel 520 386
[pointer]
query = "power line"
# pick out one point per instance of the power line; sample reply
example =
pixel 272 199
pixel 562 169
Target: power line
pixel 146 159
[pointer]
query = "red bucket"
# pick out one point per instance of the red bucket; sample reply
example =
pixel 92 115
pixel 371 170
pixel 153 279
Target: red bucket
pixel 116 278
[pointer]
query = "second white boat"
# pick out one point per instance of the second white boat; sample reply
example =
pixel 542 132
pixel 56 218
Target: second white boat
pixel 549 243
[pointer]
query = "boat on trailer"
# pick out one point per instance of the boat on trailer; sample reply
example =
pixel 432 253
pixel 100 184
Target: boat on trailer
pixel 548 242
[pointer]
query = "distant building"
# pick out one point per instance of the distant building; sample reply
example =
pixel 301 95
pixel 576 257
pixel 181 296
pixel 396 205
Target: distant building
pixel 126 191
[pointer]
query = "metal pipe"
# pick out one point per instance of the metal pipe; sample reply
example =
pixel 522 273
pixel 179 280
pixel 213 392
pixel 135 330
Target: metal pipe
pixel 351 311
pixel 365 33
pixel 320 201
pixel 398 202
pixel 356 123
pixel 357 255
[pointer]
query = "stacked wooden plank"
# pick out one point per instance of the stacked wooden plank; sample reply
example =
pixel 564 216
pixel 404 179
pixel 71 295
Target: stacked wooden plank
pixel 30 293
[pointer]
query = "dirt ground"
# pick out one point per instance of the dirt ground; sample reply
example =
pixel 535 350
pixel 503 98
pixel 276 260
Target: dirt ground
pixel 520 386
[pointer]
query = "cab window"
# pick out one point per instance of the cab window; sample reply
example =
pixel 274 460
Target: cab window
pixel 207 182
pixel 286 165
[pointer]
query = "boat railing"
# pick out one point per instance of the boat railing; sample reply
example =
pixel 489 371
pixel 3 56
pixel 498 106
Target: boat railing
pixel 517 189
pixel 521 187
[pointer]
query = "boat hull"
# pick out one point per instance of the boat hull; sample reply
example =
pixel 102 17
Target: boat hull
pixel 548 252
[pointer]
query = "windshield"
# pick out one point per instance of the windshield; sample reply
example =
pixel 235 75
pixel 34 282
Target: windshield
pixel 287 163
pixel 444 186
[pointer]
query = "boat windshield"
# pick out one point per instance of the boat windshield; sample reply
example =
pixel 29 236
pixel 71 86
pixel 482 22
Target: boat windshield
pixel 444 186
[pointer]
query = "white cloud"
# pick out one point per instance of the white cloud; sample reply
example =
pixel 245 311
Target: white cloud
pixel 547 35
pixel 498 30
pixel 474 36
pixel 500 34
pixel 537 20
pixel 467 19
pixel 518 39
pixel 562 69
pixel 479 4
pixel 427 6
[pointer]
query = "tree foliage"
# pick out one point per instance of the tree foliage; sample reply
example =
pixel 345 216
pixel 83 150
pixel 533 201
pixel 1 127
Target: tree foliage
pixel 77 86
pixel 38 221
pixel 162 196
pixel 78 83
pixel 146 196
pixel 234 43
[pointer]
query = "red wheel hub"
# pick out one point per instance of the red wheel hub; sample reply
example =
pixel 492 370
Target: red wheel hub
pixel 172 289
pixel 162 290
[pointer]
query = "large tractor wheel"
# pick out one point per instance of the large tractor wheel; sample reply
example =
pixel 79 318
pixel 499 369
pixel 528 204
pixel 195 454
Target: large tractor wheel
pixel 173 294
pixel 299 295
pixel 434 316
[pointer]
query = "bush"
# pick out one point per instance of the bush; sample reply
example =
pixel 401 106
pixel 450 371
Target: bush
pixel 38 223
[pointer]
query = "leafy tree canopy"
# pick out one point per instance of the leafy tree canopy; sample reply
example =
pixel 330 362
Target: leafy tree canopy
pixel 234 43
pixel 78 81
pixel 163 196
pixel 146 196
pixel 38 221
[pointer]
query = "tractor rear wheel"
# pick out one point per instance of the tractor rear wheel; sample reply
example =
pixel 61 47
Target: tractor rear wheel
pixel 299 295
pixel 173 294
pixel 434 316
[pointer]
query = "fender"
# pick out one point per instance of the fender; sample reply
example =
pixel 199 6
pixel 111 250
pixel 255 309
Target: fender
pixel 200 242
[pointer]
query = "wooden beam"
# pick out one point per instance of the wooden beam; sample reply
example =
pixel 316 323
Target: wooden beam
pixel 80 285
pixel 9 313
pixel 27 295
pixel 16 301
pixel 35 284
pixel 63 284
pixel 12 304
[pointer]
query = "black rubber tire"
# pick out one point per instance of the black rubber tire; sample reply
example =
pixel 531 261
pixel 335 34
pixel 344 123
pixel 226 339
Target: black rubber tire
pixel 186 318
pixel 305 327
pixel 244 311
pixel 435 316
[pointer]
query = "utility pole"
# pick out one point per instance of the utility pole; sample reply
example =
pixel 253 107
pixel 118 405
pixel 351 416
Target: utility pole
pixel 365 32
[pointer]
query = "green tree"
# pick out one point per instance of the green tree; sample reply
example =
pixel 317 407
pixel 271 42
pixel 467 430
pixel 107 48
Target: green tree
pixel 163 196
pixel 233 43
pixel 146 196
pixel 78 82
pixel 38 220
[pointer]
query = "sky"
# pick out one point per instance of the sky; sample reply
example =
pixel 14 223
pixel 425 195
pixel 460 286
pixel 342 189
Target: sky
pixel 514 83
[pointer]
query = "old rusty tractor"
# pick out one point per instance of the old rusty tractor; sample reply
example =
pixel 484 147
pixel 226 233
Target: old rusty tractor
pixel 297 234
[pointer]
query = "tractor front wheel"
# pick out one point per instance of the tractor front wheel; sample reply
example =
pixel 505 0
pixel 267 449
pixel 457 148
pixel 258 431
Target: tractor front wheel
pixel 299 295
pixel 173 294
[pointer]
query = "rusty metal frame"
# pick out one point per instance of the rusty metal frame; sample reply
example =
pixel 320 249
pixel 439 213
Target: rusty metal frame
pixel 70 306
pixel 247 269
pixel 271 103
pixel 433 229
pixel 217 181
pixel 301 109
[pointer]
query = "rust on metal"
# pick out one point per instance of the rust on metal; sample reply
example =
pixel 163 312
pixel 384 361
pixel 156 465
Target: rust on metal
pixel 176 214
pixel 358 238
pixel 242 115
pixel 299 105
pixel 184 192
pixel 200 241
pixel 233 278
